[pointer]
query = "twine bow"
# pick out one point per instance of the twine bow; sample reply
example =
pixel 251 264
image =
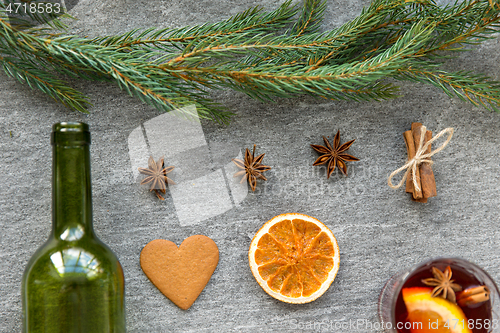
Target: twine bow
pixel 420 157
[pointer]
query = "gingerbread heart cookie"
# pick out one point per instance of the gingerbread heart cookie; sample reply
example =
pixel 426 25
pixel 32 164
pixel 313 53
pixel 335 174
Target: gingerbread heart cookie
pixel 180 273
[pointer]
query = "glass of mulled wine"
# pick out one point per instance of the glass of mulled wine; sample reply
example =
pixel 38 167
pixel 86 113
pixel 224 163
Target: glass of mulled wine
pixel 440 295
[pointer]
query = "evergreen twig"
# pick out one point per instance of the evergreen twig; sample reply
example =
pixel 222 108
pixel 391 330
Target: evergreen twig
pixel 263 54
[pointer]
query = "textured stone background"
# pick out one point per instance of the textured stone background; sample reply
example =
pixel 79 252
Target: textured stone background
pixel 380 231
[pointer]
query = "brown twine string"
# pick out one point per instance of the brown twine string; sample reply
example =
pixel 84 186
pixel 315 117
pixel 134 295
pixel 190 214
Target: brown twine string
pixel 420 157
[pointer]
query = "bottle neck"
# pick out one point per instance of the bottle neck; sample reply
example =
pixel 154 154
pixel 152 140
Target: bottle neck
pixel 71 192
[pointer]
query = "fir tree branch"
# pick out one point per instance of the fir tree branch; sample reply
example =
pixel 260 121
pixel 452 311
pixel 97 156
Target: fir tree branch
pixel 327 81
pixel 286 49
pixel 28 72
pixel 251 22
pixel 124 68
pixel 471 23
pixel 476 89
pixel 171 68
pixel 366 32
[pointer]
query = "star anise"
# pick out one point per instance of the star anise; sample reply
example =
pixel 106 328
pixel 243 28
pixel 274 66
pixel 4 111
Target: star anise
pixel 251 168
pixel 335 155
pixel 444 286
pixel 157 176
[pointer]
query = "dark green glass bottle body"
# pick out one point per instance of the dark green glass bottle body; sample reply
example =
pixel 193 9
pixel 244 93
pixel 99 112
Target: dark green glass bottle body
pixel 73 283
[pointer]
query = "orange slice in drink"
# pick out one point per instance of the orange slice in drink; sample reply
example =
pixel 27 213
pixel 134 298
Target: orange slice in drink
pixel 294 258
pixel 433 314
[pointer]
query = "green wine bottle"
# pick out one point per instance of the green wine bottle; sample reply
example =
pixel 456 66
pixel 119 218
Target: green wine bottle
pixel 73 283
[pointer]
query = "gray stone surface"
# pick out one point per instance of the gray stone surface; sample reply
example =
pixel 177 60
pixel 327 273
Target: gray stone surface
pixel 380 231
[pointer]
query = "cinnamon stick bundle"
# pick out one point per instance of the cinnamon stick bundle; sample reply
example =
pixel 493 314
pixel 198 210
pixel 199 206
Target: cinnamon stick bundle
pixel 423 174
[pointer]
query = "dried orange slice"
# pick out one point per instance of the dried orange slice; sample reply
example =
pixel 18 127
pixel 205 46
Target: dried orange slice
pixel 294 258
